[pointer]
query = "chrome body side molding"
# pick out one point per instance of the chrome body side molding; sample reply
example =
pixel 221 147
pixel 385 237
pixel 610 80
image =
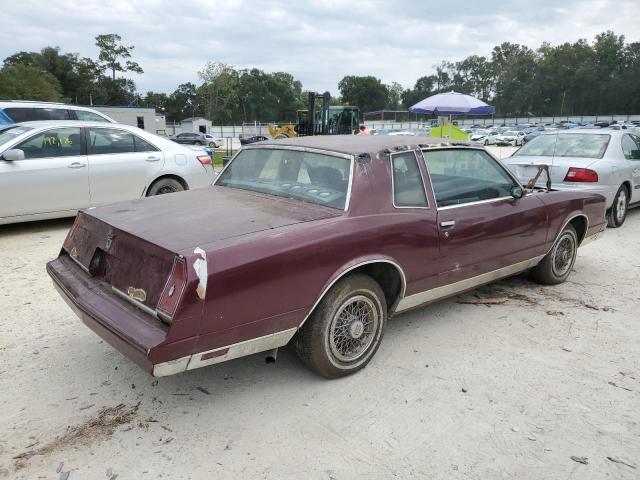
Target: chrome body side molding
pixel 447 290
pixel 222 354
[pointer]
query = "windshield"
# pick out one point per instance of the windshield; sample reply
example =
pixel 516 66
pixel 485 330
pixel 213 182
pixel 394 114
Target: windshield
pixel 9 133
pixel 313 177
pixel 566 145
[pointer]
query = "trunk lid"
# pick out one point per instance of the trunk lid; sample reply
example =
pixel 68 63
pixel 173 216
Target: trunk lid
pixel 132 245
pixel 524 167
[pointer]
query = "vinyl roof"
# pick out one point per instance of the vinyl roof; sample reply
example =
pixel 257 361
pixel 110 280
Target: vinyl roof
pixel 356 144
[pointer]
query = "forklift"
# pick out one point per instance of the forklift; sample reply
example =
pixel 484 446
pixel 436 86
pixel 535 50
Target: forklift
pixel 321 118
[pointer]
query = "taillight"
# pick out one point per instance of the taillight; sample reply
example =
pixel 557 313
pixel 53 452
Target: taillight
pixel 581 175
pixel 204 159
pixel 173 290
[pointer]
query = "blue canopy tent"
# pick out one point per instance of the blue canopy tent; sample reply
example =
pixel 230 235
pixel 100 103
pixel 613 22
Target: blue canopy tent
pixel 452 103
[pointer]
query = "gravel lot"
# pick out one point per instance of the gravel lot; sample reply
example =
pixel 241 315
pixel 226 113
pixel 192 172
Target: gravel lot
pixel 456 391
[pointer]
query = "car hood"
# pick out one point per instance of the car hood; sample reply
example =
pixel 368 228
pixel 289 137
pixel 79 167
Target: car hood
pixel 181 221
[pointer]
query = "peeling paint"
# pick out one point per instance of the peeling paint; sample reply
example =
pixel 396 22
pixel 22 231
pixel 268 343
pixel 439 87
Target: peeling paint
pixel 200 267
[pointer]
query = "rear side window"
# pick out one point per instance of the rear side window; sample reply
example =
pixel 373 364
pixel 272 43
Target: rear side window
pixel 408 189
pixel 89 116
pixel 104 141
pixel 465 176
pixel 59 142
pixel 22 114
pixel 630 148
pixel 566 145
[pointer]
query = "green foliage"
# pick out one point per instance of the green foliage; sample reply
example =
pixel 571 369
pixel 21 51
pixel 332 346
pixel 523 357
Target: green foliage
pixel 112 51
pixel 598 77
pixel 28 82
pixel 368 93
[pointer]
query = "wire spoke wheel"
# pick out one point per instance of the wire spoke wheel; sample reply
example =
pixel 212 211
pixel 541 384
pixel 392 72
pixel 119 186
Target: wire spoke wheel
pixel 563 255
pixel 353 328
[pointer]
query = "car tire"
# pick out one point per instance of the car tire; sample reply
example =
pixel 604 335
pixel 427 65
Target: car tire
pixel 212 145
pixel 556 266
pixel 486 142
pixel 617 214
pixel 164 185
pixel 197 143
pixel 335 341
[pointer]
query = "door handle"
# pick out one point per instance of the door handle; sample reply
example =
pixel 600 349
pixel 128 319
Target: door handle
pixel 448 223
pixel 152 159
pixel 76 165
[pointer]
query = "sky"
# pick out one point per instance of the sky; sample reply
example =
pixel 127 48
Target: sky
pixel 318 42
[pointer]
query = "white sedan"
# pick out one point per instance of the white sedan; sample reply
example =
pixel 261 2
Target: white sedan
pixel 50 169
pixel 486 137
pixel 602 161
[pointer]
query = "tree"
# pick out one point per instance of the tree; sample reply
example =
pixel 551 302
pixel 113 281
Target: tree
pixel 395 96
pixel 424 87
pixel 368 93
pixel 25 82
pixel 112 52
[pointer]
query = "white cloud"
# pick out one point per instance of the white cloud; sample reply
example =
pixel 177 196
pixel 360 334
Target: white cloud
pixel 319 42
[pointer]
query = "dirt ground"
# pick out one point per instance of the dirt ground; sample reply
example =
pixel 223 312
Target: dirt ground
pixel 456 390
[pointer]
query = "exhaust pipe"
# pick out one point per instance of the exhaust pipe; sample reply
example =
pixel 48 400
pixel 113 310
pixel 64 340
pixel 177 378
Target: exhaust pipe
pixel 271 356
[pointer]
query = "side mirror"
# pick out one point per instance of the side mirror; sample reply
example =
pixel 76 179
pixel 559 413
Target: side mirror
pixel 13 155
pixel 517 191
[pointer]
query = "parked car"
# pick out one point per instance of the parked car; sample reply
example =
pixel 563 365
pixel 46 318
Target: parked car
pixel 531 135
pixel 590 160
pixel 212 141
pixel 191 138
pixel 316 240
pixel 16 111
pixel 400 133
pixel 52 169
pixel 487 137
pixel 252 139
pixel 510 137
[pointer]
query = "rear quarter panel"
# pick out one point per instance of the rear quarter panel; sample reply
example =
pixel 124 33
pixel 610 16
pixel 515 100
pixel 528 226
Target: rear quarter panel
pixel 563 205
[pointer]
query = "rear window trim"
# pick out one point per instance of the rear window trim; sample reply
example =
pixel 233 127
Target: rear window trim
pixel 320 151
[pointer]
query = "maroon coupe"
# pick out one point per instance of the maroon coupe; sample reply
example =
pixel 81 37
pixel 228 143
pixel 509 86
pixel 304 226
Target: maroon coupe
pixel 315 239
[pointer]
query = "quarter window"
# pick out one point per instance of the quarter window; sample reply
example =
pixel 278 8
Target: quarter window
pixel 408 189
pixel 465 176
pixel 143 145
pixel 60 142
pixel 630 148
pixel 89 116
pixel 110 140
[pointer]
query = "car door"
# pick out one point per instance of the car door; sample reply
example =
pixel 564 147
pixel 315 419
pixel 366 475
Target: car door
pixel 121 164
pixel 53 177
pixel 482 227
pixel 631 151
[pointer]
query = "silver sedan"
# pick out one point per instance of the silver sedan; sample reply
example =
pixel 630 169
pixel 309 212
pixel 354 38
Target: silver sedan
pixel 50 169
pixel 602 161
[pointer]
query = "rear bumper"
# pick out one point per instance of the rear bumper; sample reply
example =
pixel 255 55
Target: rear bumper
pixel 130 330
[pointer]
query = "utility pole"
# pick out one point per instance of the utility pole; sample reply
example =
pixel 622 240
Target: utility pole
pixel 562 104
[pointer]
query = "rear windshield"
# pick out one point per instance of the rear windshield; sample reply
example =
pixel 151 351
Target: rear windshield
pixel 566 145
pixel 313 177
pixel 9 133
